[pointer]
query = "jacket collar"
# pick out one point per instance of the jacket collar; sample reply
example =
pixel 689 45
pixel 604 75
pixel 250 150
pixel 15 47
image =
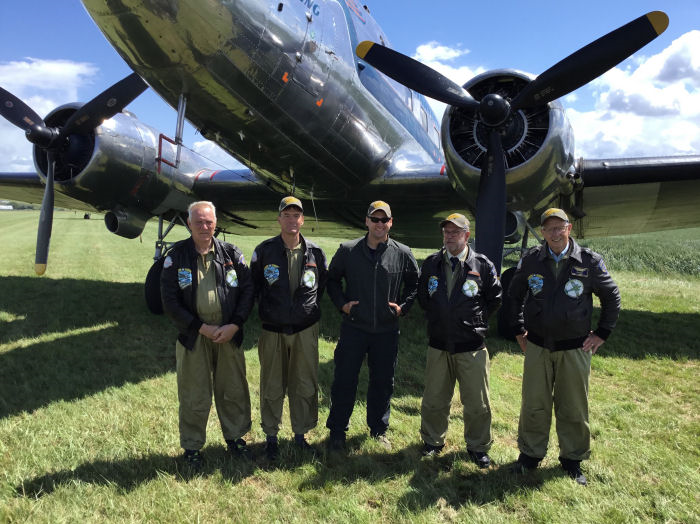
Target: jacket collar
pixel 574 251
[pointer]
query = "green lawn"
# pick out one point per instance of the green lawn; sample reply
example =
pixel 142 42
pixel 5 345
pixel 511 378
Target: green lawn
pixel 88 405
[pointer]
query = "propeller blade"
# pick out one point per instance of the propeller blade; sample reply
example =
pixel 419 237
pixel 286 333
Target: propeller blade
pixel 415 75
pixel 43 236
pixel 491 203
pixel 591 61
pixel 105 105
pixel 17 112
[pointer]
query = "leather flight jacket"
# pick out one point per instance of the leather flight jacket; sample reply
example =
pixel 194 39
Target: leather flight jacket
pixel 178 282
pixel 458 323
pixel 280 311
pixel 390 274
pixel 556 312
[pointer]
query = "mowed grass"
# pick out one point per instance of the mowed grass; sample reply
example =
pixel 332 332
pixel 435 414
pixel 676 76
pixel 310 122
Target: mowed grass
pixel 88 405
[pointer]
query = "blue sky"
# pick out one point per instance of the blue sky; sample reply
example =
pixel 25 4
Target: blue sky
pixel 52 53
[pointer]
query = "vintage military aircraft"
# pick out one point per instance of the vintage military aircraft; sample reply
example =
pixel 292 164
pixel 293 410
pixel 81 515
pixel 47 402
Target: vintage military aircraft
pixel 308 95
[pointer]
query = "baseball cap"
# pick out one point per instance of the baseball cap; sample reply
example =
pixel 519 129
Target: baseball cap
pixel 553 212
pixel 379 205
pixel 457 219
pixel 290 201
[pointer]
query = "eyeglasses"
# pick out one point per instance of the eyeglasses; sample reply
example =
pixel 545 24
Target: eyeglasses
pixel 375 220
pixel 453 232
pixel 555 229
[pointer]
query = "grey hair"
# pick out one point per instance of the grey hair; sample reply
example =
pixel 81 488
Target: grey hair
pixel 200 203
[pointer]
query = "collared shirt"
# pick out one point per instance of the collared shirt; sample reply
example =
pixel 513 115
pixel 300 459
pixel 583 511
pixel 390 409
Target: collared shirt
pixel 451 276
pixel 294 267
pixel 208 307
pixel 556 262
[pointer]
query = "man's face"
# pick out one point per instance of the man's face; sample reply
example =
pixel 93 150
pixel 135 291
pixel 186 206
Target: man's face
pixel 556 232
pixel 455 238
pixel 202 224
pixel 378 230
pixel 291 219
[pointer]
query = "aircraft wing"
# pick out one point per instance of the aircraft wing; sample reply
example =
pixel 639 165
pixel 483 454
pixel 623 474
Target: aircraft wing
pixel 29 188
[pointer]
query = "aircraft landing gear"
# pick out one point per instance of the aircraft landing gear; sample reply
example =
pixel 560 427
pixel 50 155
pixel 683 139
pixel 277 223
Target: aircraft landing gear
pixel 152 284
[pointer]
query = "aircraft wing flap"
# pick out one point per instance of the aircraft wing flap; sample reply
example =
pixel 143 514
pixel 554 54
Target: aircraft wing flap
pixel 625 171
pixel 29 188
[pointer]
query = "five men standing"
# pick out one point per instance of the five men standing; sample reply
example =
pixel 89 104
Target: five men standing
pixel 459 290
pixel 289 273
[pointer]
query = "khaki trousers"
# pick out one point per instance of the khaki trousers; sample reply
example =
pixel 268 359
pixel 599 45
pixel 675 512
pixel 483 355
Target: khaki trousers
pixel 471 370
pixel 289 365
pixel 211 367
pixel 558 378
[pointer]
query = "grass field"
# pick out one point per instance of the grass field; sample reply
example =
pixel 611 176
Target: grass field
pixel 88 405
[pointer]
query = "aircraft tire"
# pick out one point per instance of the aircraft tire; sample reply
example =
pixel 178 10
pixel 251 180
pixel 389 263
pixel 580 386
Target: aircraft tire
pixel 505 313
pixel 152 288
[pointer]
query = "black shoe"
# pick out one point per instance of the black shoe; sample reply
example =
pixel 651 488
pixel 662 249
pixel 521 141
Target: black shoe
pixel 272 448
pixel 480 458
pixel 193 458
pixel 431 451
pixel 336 442
pixel 524 464
pixel 238 447
pixel 573 469
pixel 301 443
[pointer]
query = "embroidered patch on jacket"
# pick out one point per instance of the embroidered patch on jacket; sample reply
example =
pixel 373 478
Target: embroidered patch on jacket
pixel 232 278
pixel 254 257
pixel 432 285
pixel 536 283
pixel 168 262
pixel 470 288
pixel 184 277
pixel 579 271
pixel 475 273
pixel 271 272
pixel 241 260
pixel 601 266
pixel 309 278
pixel 573 288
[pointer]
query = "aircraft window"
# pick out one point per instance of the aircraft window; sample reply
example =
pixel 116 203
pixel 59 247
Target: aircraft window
pixel 435 135
pixel 424 118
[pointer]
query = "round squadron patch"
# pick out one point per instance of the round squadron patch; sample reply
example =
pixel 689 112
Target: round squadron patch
pixel 271 272
pixel 470 288
pixel 232 278
pixel 573 288
pixel 535 282
pixel 309 278
pixel 168 262
pixel 432 285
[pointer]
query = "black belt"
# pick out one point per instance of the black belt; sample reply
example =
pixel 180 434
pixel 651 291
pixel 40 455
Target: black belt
pixel 556 345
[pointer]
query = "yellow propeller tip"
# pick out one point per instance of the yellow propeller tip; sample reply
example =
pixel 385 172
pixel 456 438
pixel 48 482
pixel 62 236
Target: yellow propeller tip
pixel 363 48
pixel 658 20
pixel 40 269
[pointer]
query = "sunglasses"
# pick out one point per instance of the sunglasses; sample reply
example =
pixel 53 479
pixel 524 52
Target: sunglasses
pixel 383 220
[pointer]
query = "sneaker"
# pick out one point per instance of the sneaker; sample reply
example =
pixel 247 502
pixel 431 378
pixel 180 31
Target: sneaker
pixel 480 458
pixel 193 458
pixel 524 464
pixel 301 443
pixel 239 447
pixel 383 441
pixel 431 451
pixel 573 469
pixel 272 447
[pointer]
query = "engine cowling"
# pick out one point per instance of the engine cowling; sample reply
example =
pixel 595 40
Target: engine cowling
pixel 538 142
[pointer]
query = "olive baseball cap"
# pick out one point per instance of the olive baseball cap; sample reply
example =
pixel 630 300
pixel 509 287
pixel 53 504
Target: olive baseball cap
pixel 458 220
pixel 290 201
pixel 379 205
pixel 553 212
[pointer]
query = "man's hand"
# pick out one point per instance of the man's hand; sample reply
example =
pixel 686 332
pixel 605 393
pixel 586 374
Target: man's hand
pixel 592 343
pixel 225 333
pixel 522 341
pixel 396 308
pixel 348 306
pixel 208 331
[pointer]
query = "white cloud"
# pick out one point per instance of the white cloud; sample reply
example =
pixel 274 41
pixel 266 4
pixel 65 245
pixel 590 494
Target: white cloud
pixel 43 85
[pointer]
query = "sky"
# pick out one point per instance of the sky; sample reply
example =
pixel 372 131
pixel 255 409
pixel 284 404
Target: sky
pixel 52 53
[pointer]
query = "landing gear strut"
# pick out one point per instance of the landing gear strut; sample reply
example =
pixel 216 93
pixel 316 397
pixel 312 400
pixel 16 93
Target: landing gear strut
pixel 152 285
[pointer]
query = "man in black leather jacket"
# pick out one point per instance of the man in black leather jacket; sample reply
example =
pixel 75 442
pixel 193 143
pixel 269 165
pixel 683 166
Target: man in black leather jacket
pixel 380 277
pixel 207 292
pixel 289 273
pixel 552 294
pixel 459 289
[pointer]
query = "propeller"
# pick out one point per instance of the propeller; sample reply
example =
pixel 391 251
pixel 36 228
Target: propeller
pixel 494 111
pixel 56 139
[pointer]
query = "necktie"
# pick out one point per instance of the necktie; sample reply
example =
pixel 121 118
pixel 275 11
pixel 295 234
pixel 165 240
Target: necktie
pixel 454 261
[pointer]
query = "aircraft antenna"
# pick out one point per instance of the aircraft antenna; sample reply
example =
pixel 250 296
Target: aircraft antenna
pixel 313 205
